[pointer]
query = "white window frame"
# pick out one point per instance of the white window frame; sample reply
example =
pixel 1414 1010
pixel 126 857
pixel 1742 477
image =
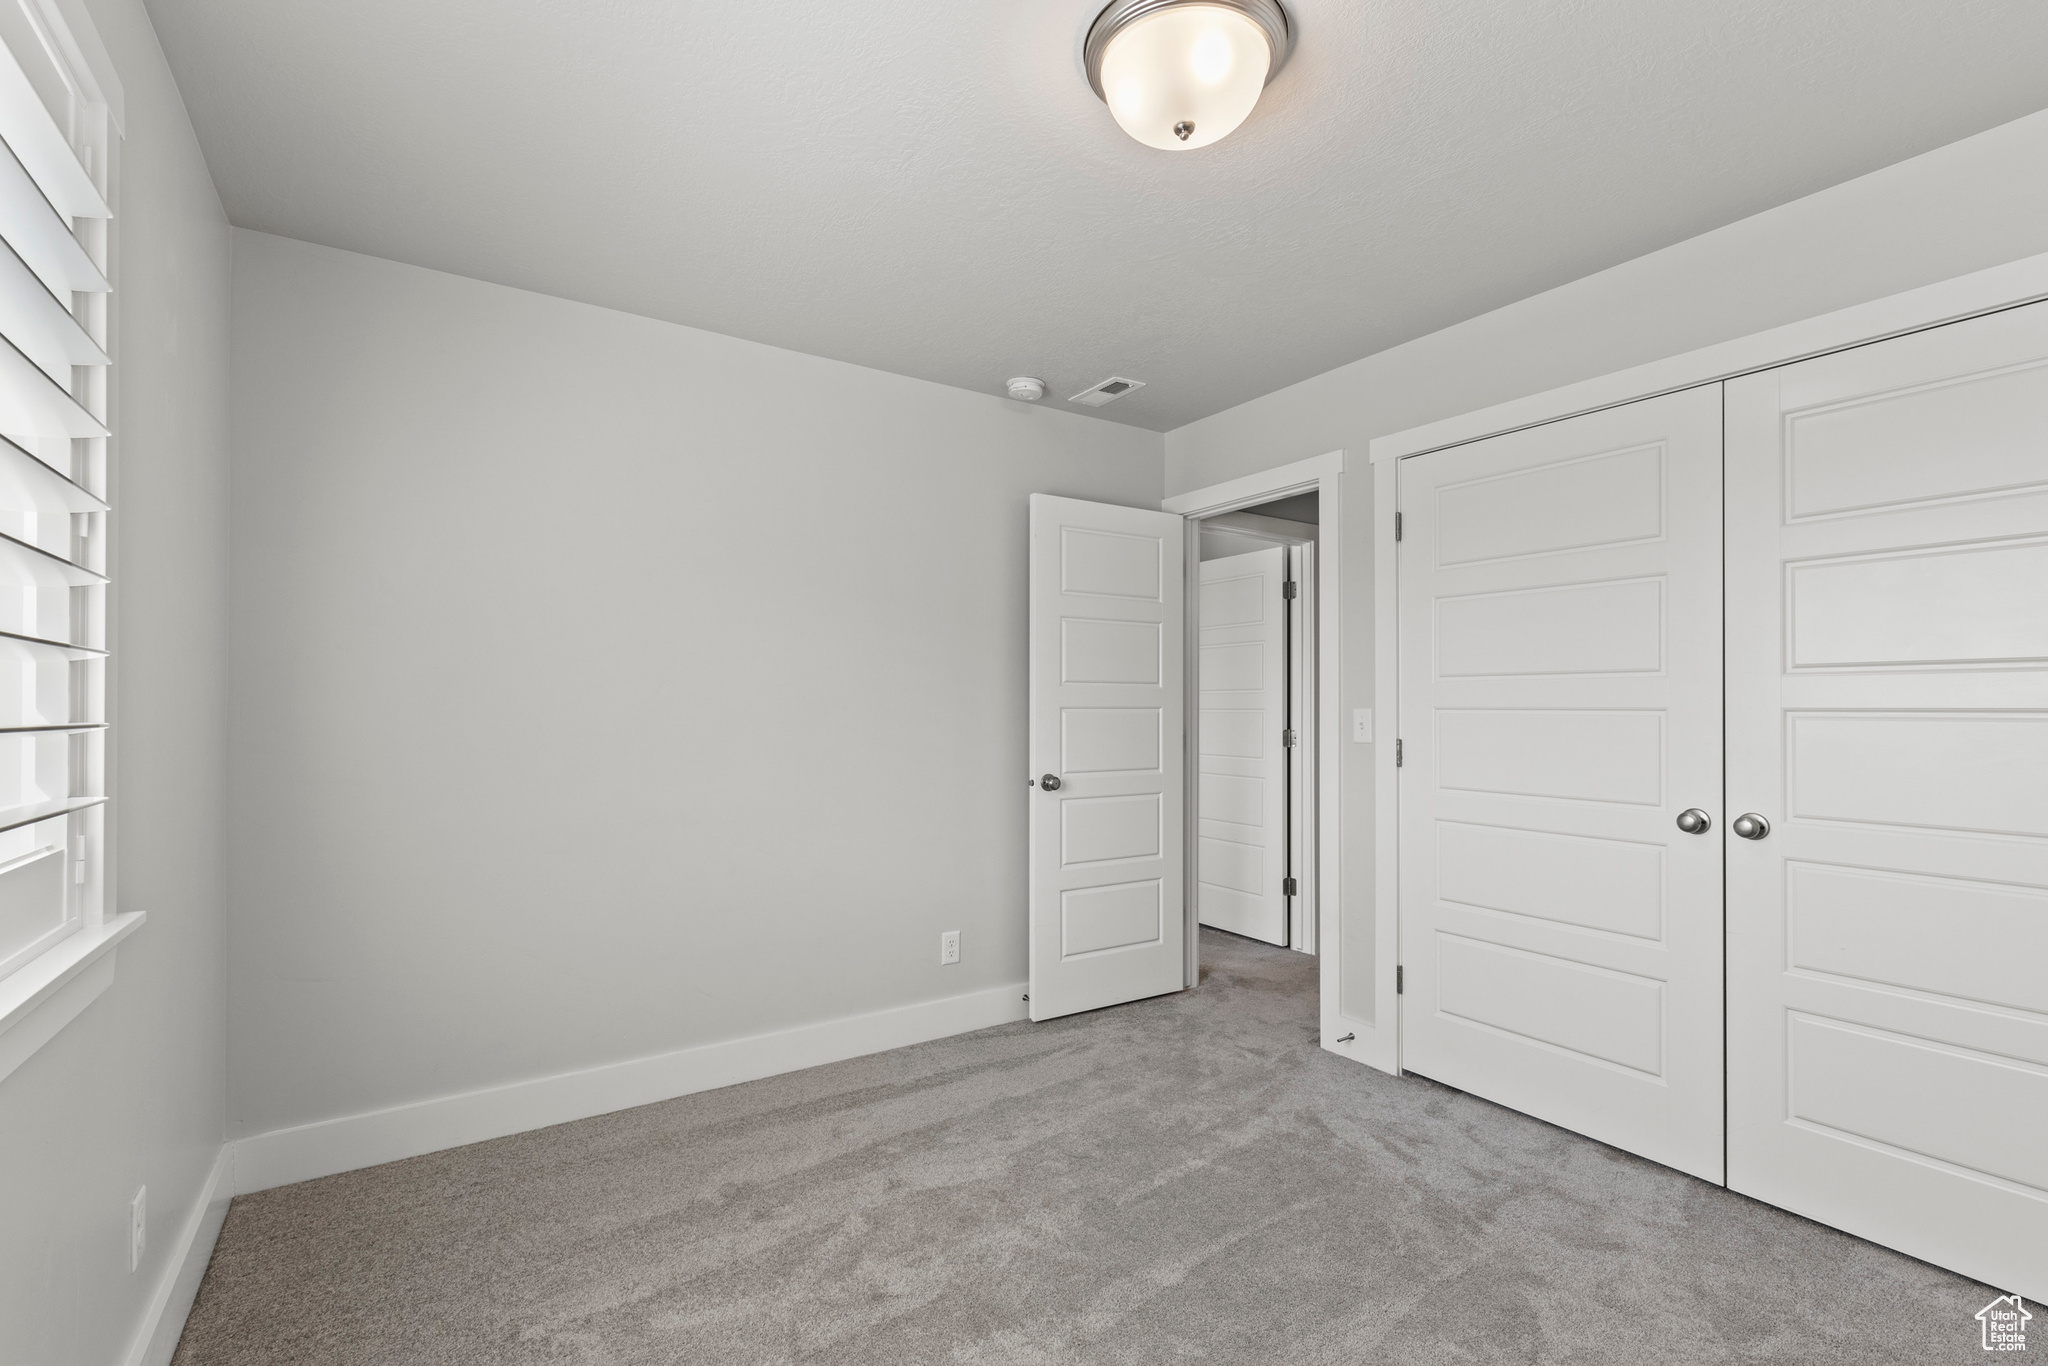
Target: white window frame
pixel 40 996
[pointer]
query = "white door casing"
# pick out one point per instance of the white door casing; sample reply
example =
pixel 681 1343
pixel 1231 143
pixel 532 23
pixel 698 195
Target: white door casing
pixel 1301 756
pixel 1560 706
pixel 1888 715
pixel 1107 629
pixel 1358 1016
pixel 1241 786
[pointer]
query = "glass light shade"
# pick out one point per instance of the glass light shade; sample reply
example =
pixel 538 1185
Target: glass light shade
pixel 1196 68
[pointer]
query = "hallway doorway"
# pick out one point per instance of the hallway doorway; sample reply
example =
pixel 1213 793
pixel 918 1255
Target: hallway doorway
pixel 1255 722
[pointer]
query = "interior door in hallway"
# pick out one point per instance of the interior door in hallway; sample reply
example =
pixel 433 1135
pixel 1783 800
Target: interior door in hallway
pixel 1888 722
pixel 1241 789
pixel 1560 717
pixel 1108 923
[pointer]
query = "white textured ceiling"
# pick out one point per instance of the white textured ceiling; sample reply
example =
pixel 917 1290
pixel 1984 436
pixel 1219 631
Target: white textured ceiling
pixel 931 188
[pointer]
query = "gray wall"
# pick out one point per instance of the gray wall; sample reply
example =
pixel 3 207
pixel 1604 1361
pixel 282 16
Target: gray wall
pixel 1973 204
pixel 541 758
pixel 132 1091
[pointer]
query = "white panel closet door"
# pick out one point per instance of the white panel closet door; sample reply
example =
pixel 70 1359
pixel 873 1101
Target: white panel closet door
pixel 1560 619
pixel 1241 790
pixel 1888 715
pixel 1108 923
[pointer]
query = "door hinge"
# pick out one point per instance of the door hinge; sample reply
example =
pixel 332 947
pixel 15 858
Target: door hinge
pixel 1287 887
pixel 1290 589
pixel 1289 739
pixel 1397 754
pixel 1397 526
pixel 1399 983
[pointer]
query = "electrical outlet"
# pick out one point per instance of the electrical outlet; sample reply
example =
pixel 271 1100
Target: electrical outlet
pixel 949 947
pixel 138 1227
pixel 1361 726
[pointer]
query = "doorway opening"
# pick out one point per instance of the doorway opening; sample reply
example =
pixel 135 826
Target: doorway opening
pixel 1318 870
pixel 1254 828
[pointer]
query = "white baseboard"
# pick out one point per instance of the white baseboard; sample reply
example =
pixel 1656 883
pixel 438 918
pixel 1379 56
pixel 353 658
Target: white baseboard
pixel 162 1324
pixel 306 1151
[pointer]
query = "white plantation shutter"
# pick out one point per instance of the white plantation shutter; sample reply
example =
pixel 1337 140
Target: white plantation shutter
pixel 54 220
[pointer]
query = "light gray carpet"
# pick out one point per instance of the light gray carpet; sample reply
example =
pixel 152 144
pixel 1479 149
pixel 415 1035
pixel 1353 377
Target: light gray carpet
pixel 1182 1180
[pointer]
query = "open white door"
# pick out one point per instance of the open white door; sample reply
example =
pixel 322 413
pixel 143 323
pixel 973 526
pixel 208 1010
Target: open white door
pixel 1107 629
pixel 1241 866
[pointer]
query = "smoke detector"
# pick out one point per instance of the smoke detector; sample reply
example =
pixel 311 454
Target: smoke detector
pixel 1026 389
pixel 1111 389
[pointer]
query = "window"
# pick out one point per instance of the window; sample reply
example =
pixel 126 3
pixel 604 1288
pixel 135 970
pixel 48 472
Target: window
pixel 56 144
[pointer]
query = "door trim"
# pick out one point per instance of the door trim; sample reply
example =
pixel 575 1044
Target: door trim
pixel 1324 475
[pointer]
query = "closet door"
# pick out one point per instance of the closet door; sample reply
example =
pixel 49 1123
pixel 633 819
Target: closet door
pixel 1560 594
pixel 1888 721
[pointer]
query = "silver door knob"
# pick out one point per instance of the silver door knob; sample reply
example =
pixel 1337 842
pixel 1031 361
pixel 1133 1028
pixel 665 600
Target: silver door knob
pixel 1049 783
pixel 1694 821
pixel 1751 826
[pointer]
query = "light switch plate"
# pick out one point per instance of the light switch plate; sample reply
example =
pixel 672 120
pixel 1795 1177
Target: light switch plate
pixel 1361 725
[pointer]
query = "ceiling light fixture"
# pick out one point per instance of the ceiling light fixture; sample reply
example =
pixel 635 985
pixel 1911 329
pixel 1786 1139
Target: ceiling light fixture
pixel 1181 74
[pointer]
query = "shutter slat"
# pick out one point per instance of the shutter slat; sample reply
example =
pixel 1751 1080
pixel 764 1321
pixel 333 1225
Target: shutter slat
pixel 31 402
pixel 43 645
pixel 16 817
pixel 41 327
pixel 39 236
pixel 44 566
pixel 28 481
pixel 39 143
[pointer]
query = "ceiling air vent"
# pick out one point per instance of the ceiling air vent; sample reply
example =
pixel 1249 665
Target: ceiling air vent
pixel 1115 387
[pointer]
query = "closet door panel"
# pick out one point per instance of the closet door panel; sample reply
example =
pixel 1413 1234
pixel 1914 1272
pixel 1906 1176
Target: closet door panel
pixel 1887 570
pixel 1560 706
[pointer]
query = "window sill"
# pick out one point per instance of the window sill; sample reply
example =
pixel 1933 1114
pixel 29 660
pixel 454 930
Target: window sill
pixel 43 996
